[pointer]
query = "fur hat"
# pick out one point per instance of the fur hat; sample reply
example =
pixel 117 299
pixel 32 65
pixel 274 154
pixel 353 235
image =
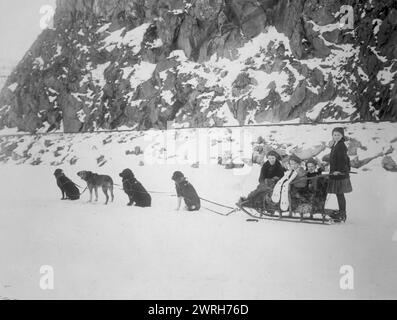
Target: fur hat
pixel 340 130
pixel 295 158
pixel 177 175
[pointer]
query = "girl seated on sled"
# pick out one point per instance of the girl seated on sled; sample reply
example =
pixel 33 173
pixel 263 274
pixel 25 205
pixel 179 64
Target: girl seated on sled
pixel 271 172
pixel 294 180
pixel 313 170
pixel 299 184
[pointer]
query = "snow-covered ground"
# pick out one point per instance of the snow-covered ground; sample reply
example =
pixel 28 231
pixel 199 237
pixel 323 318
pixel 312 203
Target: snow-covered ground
pixel 116 251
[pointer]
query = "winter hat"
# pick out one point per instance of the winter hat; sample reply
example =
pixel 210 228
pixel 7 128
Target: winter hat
pixel 340 130
pixel 58 172
pixel 274 154
pixel 127 173
pixel 295 159
pixel 177 175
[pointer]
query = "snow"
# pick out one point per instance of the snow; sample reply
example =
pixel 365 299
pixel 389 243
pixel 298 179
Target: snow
pixel 156 44
pixel 376 23
pixel 346 105
pixel 132 38
pixel 168 96
pixel 98 75
pixel 13 86
pixel 104 28
pixel 119 252
pixel 326 28
pixel 81 115
pixel 142 72
pixel 386 76
pixel 362 74
pixel 264 79
pixel 315 112
pixel 381 58
pixel 157 253
pixel 39 62
pixel 10 131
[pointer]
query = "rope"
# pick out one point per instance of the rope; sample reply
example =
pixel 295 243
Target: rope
pixel 218 204
pixel 318 177
pixel 173 195
pixel 221 214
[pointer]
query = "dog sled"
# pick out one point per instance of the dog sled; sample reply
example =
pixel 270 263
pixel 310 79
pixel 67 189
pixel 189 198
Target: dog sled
pixel 304 205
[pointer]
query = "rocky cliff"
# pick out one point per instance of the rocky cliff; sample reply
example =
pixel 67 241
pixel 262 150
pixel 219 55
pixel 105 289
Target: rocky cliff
pixel 145 63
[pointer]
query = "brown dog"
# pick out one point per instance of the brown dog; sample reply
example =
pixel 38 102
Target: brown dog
pixel 94 181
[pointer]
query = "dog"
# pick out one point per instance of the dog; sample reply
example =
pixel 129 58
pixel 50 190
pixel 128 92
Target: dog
pixel 67 186
pixel 94 181
pixel 135 190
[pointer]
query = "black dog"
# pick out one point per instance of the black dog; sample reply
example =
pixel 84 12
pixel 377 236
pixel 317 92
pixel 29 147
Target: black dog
pixel 135 190
pixel 67 186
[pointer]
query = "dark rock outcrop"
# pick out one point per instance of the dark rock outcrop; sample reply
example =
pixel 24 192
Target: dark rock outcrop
pixel 146 63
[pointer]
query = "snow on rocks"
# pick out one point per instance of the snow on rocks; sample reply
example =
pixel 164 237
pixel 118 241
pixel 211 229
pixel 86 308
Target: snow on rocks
pixel 13 87
pixel 121 37
pixel 386 76
pixel 142 73
pixel 315 112
pixel 366 142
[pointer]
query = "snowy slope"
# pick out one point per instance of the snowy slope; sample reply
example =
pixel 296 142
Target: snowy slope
pixel 116 251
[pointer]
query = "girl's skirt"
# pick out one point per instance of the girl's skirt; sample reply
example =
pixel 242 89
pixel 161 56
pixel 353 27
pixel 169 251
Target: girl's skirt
pixel 339 186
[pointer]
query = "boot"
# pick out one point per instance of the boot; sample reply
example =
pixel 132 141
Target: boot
pixel 339 216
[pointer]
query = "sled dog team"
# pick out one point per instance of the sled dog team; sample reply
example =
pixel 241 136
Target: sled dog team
pixel 277 177
pixel 135 191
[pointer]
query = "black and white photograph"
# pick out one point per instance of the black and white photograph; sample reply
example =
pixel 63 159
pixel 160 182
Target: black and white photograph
pixel 190 150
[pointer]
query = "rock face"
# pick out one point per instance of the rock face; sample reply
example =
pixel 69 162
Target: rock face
pixel 148 63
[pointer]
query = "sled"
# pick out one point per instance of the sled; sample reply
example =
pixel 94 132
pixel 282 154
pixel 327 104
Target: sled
pixel 256 215
pixel 302 209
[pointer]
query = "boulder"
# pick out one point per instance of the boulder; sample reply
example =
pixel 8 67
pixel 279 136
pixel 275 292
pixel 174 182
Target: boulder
pixel 307 153
pixel 389 164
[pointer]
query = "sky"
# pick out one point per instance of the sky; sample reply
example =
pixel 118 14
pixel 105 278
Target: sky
pixel 20 25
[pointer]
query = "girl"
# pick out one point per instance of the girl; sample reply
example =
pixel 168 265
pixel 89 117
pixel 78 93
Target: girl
pixel 272 169
pixel 294 177
pixel 271 172
pixel 339 181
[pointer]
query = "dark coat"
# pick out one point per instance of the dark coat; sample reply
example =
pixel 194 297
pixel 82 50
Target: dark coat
pixel 312 183
pixel 68 188
pixel 136 192
pixel 269 172
pixel 300 182
pixel 185 190
pixel 339 161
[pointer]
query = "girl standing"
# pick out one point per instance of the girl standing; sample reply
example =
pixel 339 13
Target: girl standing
pixel 339 181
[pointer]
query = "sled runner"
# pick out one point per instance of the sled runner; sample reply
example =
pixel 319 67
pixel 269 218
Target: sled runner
pixel 302 205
